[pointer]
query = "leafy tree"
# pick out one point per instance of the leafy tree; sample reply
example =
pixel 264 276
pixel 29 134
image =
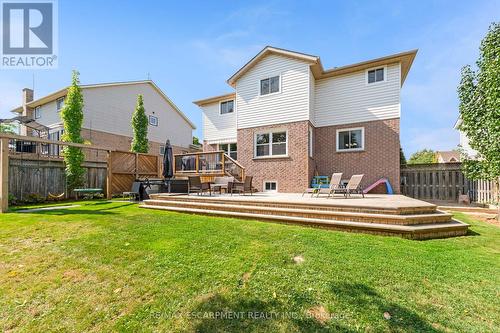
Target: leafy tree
pixel 72 117
pixel 402 158
pixel 479 95
pixel 196 141
pixel 140 128
pixel 7 128
pixel 424 156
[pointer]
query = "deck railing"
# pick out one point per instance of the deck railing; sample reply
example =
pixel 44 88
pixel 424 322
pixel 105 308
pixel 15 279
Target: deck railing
pixel 208 164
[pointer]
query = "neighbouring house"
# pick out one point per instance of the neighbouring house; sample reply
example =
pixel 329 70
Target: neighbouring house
pixel 289 119
pixel 108 109
pixel 464 141
pixel 451 156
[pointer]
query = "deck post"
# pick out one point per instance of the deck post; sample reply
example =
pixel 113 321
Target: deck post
pixel 4 175
pixel 223 165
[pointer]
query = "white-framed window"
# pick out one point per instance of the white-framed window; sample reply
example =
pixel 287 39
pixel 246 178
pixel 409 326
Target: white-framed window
pixel 375 75
pixel 310 141
pixel 153 120
pixel 230 149
pixel 162 150
pixel 270 186
pixel 351 139
pixel 269 144
pixel 226 107
pixel 60 103
pixel 270 85
pixel 38 112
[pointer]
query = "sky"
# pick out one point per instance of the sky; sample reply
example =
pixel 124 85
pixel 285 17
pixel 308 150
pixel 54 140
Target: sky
pixel 191 48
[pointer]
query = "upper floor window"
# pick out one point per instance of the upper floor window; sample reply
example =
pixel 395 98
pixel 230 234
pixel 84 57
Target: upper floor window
pixel 375 75
pixel 38 112
pixel 162 150
pixel 270 85
pixel 153 121
pixel 271 144
pixel 351 139
pixel 60 103
pixel 227 107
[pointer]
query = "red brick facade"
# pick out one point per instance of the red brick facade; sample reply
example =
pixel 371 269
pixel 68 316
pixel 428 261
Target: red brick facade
pixel 380 158
pixel 293 173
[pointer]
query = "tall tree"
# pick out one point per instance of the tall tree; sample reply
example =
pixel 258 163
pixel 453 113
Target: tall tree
pixel 402 158
pixel 140 128
pixel 424 156
pixel 479 95
pixel 72 117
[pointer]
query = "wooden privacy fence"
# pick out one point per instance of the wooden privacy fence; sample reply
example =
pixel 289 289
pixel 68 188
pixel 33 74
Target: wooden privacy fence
pixel 41 176
pixel 39 169
pixel 125 167
pixel 443 181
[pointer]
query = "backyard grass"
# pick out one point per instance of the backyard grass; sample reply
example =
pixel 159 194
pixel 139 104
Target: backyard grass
pixel 111 266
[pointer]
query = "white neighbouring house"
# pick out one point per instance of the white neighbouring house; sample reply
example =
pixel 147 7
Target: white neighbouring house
pixel 464 141
pixel 288 118
pixel 108 109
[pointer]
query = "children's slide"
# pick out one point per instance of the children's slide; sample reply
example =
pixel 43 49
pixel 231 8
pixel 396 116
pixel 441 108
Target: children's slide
pixel 378 182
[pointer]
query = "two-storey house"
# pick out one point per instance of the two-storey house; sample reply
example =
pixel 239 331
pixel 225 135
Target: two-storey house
pixel 289 119
pixel 108 109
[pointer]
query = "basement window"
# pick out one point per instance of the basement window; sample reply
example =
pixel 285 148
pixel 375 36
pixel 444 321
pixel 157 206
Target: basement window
pixel 270 186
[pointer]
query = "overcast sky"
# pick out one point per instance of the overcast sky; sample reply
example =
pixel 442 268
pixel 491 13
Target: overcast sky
pixel 190 49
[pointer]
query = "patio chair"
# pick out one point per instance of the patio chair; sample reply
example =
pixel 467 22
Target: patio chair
pixel 134 194
pixel 353 186
pixel 334 185
pixel 221 183
pixel 241 187
pixel 196 186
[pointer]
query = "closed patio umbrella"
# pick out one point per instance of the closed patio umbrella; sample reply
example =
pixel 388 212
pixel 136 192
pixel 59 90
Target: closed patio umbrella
pixel 168 159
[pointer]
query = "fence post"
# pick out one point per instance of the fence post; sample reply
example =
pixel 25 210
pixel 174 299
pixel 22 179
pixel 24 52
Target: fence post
pixel 4 175
pixel 109 177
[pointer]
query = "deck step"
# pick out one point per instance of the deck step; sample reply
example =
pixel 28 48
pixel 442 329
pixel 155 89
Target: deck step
pixel 306 212
pixel 419 231
pixel 322 205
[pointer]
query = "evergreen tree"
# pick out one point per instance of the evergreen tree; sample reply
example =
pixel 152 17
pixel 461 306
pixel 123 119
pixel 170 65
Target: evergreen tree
pixel 140 128
pixel 72 117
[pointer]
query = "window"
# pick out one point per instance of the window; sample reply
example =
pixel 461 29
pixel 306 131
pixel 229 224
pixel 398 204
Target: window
pixel 162 150
pixel 271 144
pixel 227 107
pixel 38 113
pixel 153 121
pixel 230 149
pixel 376 75
pixel 270 85
pixel 351 139
pixel 60 103
pixel 270 186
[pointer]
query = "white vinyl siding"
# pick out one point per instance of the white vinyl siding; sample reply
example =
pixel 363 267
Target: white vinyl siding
pixel 218 127
pixel 49 114
pixel 109 109
pixel 290 104
pixel 349 99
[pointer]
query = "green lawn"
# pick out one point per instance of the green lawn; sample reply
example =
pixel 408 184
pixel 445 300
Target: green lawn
pixel 110 266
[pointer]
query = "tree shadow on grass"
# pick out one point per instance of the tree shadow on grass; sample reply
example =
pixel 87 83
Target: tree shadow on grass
pixel 73 211
pixel 368 303
pixel 245 314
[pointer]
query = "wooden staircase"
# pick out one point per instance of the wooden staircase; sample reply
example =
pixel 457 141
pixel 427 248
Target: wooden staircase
pixel 414 222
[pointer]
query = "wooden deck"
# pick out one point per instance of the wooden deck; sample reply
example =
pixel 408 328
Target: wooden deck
pixel 380 214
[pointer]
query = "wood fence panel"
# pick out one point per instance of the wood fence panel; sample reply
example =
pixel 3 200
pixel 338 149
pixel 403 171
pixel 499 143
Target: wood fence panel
pixel 444 181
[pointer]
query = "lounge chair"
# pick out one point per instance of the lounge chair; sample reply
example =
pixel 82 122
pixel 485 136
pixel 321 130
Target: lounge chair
pixel 334 185
pixel 195 185
pixel 241 187
pixel 353 186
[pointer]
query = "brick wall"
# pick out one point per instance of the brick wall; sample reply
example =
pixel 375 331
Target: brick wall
pixel 291 173
pixel 379 159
